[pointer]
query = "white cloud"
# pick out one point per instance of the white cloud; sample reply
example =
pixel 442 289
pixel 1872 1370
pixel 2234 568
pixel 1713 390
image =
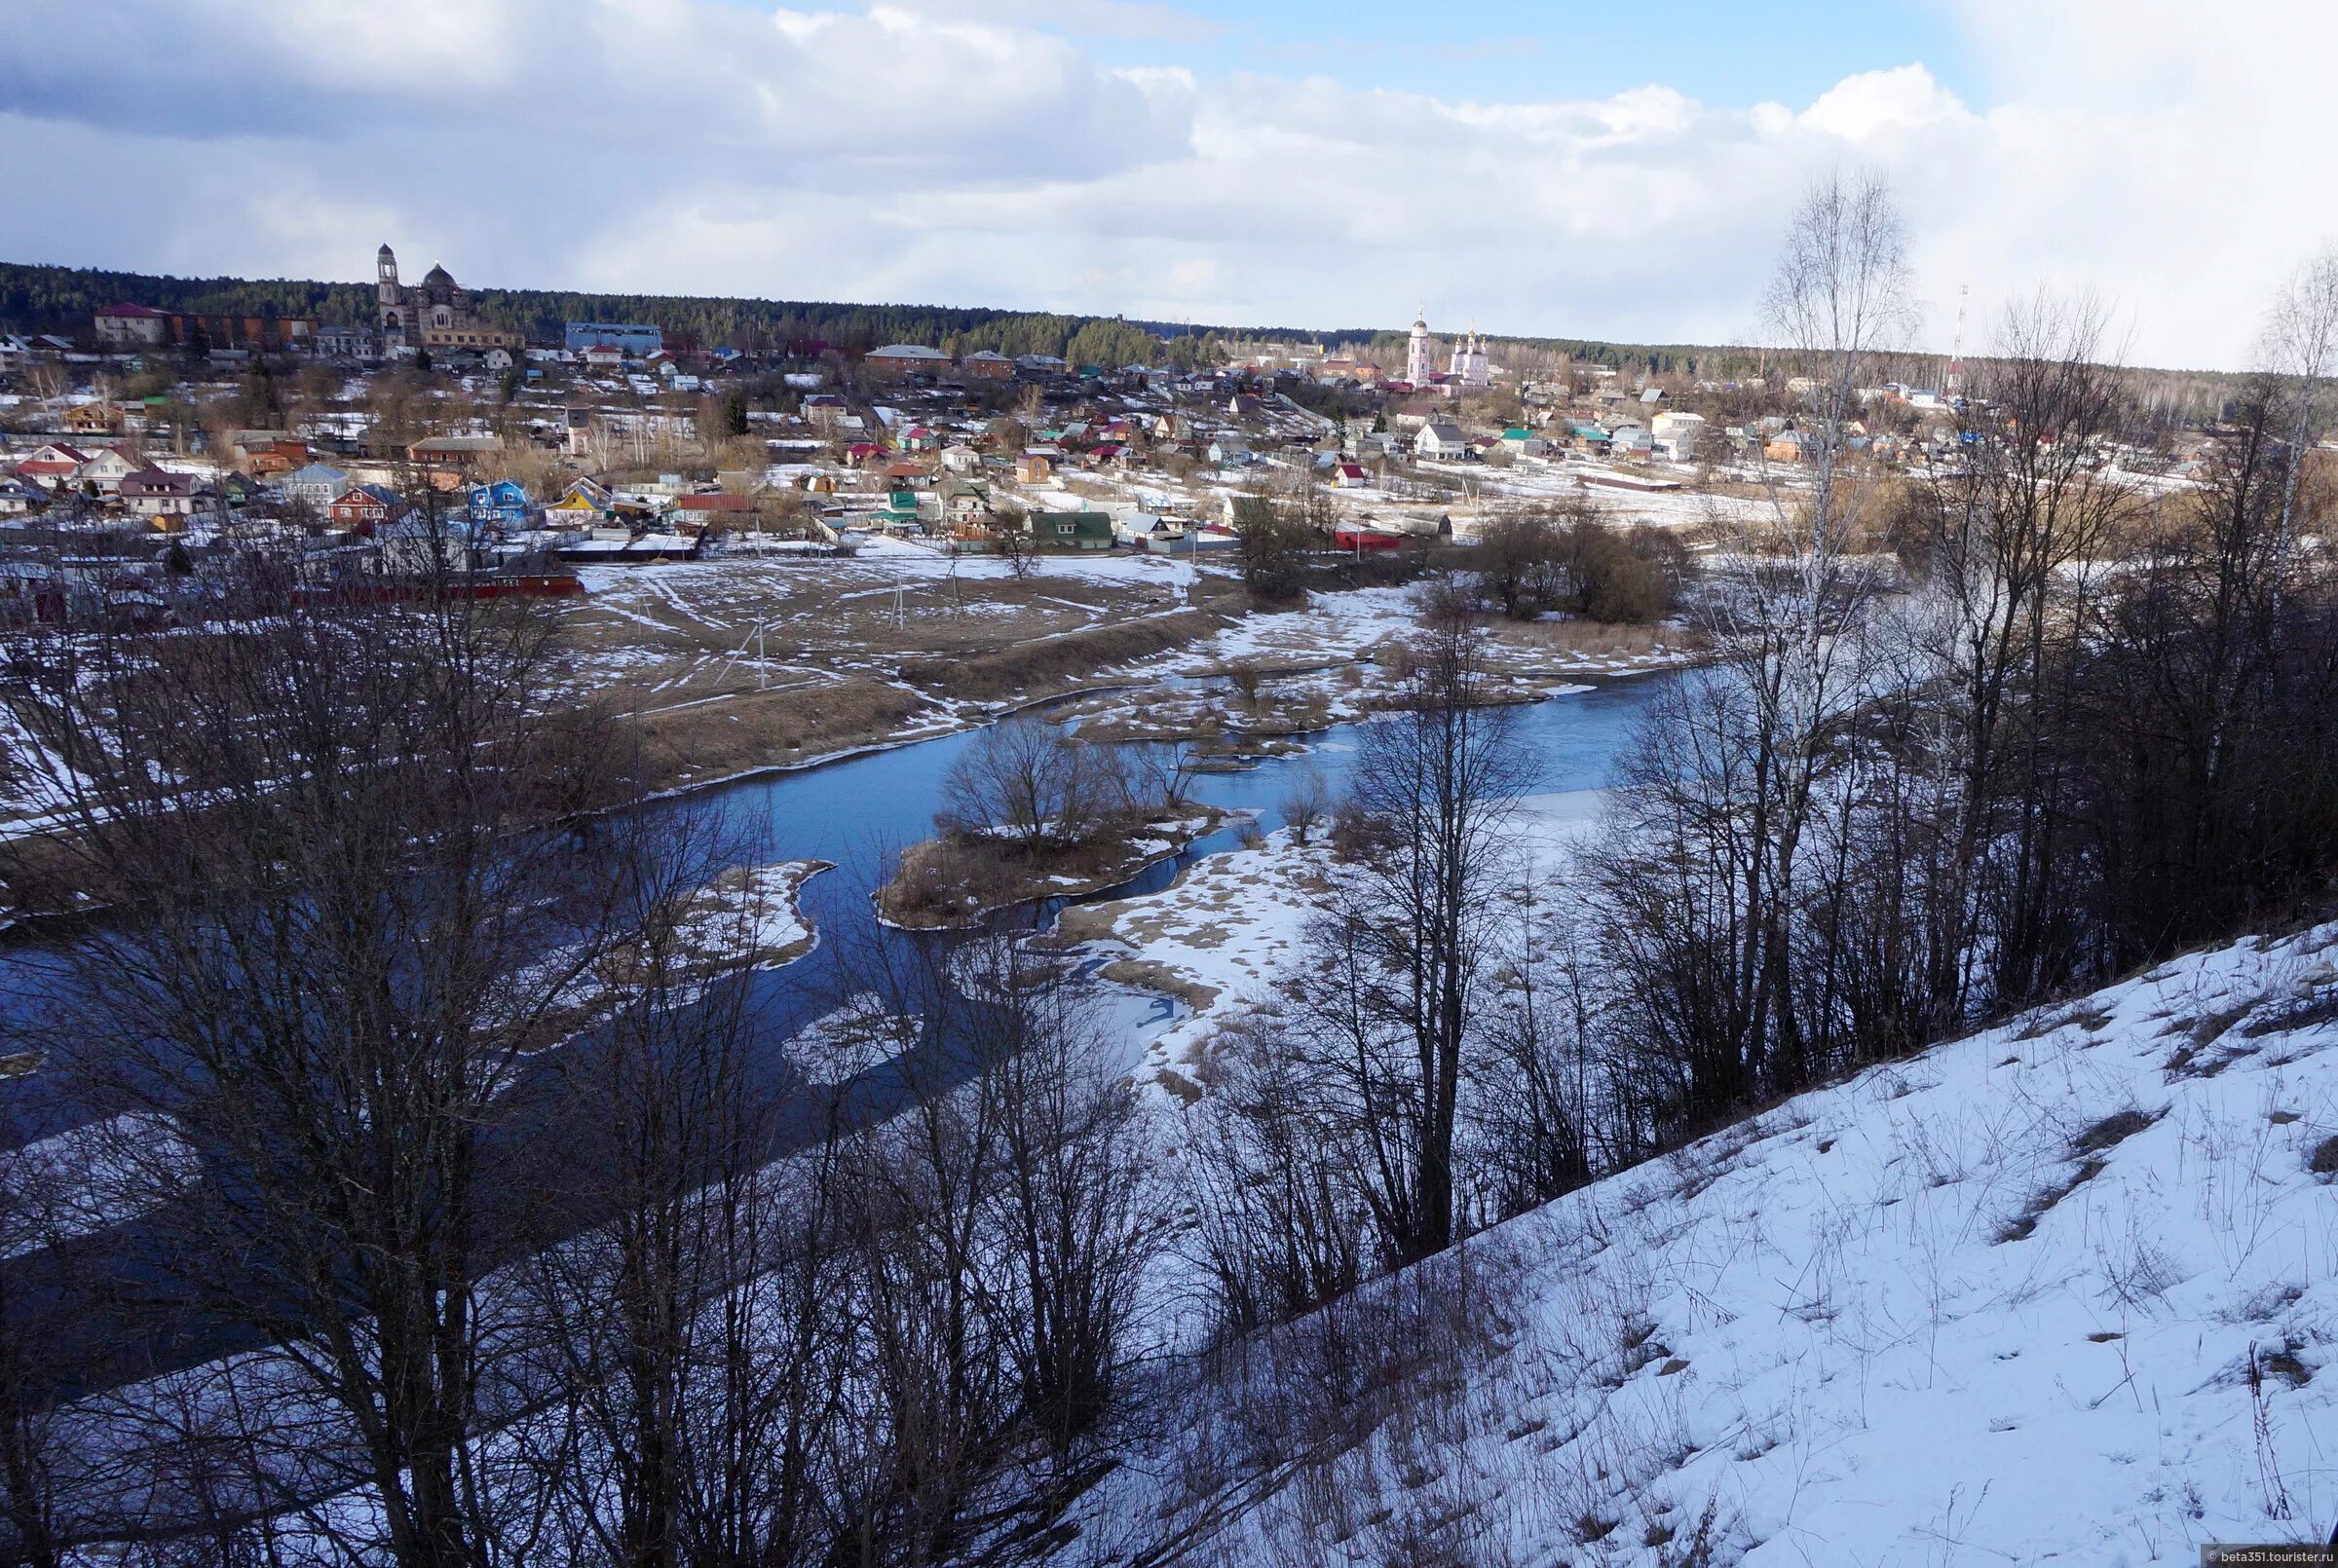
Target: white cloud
pixel 966 153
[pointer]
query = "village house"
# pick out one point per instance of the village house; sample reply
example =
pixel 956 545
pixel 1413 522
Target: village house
pixel 1630 441
pixel 1678 432
pixel 1226 452
pixel 52 464
pixel 712 510
pixel 95 417
pixel 1519 441
pixel 503 503
pixel 1034 468
pixel 1438 439
pixel 315 485
pixel 984 365
pixel 357 342
pixel 1072 531
pixel 362 509
pixel 168 499
pixel 128 327
pixel 106 469
pixel 445 461
pixel 906 360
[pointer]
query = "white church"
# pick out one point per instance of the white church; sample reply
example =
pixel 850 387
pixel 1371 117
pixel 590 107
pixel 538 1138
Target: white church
pixel 1468 371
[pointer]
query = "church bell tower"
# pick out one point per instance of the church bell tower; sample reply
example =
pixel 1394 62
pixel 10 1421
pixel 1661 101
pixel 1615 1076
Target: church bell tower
pixel 389 299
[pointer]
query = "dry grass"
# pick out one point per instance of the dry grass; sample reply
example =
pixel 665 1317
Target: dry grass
pixel 1594 638
pixel 1062 660
pixel 737 735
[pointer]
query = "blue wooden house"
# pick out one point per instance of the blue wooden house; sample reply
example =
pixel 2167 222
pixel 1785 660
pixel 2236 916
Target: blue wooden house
pixel 503 503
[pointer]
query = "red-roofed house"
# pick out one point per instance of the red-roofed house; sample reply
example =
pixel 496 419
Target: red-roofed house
pixel 701 511
pixel 364 507
pixel 52 464
pixel 130 326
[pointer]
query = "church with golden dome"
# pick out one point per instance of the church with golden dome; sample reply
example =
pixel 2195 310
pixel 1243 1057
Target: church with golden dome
pixel 433 313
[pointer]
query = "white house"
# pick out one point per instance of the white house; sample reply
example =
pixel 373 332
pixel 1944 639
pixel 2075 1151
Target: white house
pixel 1630 441
pixel 1675 436
pixel 1438 439
pixel 318 485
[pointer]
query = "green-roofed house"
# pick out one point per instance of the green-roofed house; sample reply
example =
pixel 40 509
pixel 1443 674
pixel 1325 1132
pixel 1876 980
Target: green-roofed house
pixel 1071 531
pixel 1521 442
pixel 900 508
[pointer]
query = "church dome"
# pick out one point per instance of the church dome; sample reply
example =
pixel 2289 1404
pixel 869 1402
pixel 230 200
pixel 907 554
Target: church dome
pixel 438 275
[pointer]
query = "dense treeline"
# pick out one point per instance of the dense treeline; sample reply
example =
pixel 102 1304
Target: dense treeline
pixel 60 299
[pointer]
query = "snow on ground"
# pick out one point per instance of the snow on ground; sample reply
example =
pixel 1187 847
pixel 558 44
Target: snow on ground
pixel 902 558
pixel 1997 1303
pixel 1219 935
pixel 1332 626
pixel 754 909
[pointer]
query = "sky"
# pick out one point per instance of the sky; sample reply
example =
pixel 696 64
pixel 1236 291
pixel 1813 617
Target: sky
pixel 1538 168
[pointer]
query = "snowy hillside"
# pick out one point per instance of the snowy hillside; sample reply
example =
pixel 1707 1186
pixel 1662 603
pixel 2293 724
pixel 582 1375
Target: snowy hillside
pixel 1995 1304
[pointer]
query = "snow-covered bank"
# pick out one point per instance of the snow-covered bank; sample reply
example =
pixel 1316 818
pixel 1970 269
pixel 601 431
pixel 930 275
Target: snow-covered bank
pixel 1998 1303
pixel 1223 933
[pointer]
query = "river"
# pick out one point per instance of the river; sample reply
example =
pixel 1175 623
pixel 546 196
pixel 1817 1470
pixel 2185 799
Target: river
pixel 857 811
pixel 854 813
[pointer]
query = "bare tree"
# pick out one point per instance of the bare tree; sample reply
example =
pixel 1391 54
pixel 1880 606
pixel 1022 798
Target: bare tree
pixel 1010 532
pixel 2302 346
pixel 2003 560
pixel 1024 779
pixel 1710 883
pixel 1408 949
pixel 357 940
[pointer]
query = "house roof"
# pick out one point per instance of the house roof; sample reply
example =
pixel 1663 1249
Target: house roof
pixel 906 350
